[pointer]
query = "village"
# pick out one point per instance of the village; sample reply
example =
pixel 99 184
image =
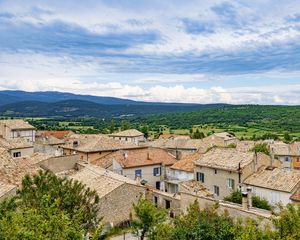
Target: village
pixel 172 171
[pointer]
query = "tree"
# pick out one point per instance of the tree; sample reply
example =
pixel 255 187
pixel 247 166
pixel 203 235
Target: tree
pixel 144 129
pixel 287 223
pixel 206 225
pixel 125 125
pixel 48 222
pixel 147 217
pixel 258 202
pixel 287 138
pixel 250 229
pixel 261 147
pixel 71 197
pixel 198 135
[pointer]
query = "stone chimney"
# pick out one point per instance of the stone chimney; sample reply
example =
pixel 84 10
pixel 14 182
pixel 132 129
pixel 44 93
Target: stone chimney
pixel 249 197
pixel 245 200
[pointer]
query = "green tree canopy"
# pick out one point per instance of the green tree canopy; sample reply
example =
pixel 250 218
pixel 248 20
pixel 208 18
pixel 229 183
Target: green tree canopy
pixel 147 217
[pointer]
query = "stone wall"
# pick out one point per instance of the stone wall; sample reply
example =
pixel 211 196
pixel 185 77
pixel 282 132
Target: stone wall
pixel 60 164
pixel 235 211
pixel 116 206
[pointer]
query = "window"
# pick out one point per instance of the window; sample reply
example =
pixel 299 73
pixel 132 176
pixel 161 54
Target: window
pixel 17 154
pixel 156 171
pixel 298 159
pixel 216 171
pixel 168 204
pixel 286 159
pixel 157 185
pixel 155 200
pixel 230 183
pixel 138 173
pixel 200 177
pixel 216 190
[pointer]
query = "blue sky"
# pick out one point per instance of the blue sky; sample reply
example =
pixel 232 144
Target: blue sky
pixel 173 51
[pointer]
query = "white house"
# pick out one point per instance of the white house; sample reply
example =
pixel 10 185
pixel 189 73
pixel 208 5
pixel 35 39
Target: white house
pixel 130 135
pixel 276 185
pixel 17 128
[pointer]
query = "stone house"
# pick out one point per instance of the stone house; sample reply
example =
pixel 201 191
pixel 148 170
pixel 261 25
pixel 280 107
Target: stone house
pixel 91 147
pixel 131 135
pixel 223 170
pixel 288 154
pixel 150 165
pixel 277 185
pixel 182 170
pixel 222 139
pixel 17 147
pixel 7 190
pixel 17 128
pixel 49 145
pixel 117 193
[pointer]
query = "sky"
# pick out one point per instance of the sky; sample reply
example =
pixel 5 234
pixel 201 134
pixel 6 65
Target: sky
pixel 238 52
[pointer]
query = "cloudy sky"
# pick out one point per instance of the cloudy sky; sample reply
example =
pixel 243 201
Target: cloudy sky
pixel 156 50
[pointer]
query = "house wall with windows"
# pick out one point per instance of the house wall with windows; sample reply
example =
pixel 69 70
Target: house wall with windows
pixel 148 173
pixel 135 140
pixel 22 152
pixel 221 182
pixel 274 197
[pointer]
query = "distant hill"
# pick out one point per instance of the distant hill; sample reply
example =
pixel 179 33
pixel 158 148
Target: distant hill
pixel 80 108
pixel 8 96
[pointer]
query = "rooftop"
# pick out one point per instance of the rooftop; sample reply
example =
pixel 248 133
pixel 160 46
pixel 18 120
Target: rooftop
pixel 277 179
pixel 49 140
pixel 283 149
pixel 15 143
pixel 12 170
pixel 15 124
pixel 173 136
pixel 5 188
pixel 56 134
pixel 95 143
pixel 100 179
pixel 127 133
pixel 194 187
pixel 226 158
pixel 225 135
pixel 186 163
pixel 136 158
pixel 181 144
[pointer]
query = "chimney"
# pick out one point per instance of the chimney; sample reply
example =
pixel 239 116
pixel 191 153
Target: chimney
pixel 245 200
pixel 125 154
pixel 272 157
pixel 249 197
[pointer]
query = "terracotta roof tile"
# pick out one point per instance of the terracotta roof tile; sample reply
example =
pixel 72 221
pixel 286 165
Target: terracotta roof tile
pixel 277 179
pixel 15 124
pixel 137 157
pixel 56 134
pixel 127 133
pixel 226 158
pixel 186 163
pixel 95 143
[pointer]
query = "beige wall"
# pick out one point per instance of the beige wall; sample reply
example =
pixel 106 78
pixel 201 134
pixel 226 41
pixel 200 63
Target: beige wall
pixel 86 157
pixel 24 151
pixel 219 179
pixel 116 206
pixel 59 164
pixel 147 174
pixel 134 140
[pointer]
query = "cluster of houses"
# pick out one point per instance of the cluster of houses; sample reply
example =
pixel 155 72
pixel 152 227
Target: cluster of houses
pixel 172 171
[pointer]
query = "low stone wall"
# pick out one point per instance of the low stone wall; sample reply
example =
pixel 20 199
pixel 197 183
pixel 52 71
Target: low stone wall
pixel 60 164
pixel 235 211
